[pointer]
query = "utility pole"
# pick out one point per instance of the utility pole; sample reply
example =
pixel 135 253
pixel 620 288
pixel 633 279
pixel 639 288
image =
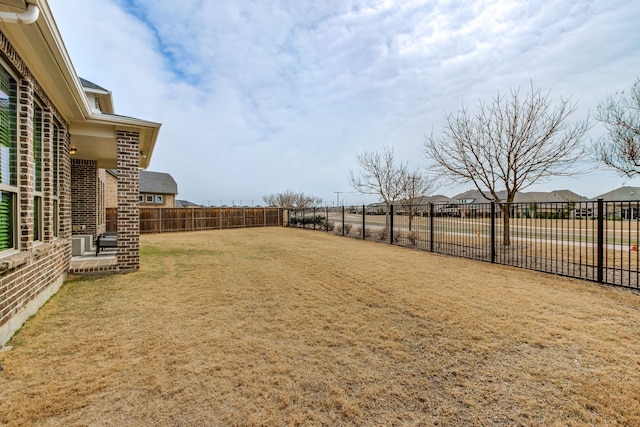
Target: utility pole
pixel 338 197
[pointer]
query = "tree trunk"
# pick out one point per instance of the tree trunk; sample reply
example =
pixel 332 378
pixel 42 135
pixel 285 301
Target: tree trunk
pixel 410 217
pixel 386 216
pixel 506 236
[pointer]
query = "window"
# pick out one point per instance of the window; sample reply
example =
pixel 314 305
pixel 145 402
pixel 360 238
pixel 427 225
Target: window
pixel 55 145
pixel 158 199
pixel 8 160
pixel 141 199
pixel 37 218
pixel 37 172
pixel 149 198
pixel 7 220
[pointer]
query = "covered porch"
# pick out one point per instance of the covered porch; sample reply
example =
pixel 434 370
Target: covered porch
pixel 106 141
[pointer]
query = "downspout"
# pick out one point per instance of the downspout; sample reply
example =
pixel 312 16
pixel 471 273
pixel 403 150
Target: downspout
pixel 28 17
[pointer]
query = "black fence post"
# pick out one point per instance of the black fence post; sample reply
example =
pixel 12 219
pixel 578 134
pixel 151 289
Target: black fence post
pixel 600 242
pixel 493 232
pixel 431 211
pixel 391 225
pixel 364 223
pixel 314 217
pixel 343 220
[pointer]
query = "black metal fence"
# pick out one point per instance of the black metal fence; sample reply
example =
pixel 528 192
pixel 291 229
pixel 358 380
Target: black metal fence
pixel 594 240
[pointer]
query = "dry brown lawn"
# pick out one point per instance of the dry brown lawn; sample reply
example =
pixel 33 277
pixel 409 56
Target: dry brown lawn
pixel 276 326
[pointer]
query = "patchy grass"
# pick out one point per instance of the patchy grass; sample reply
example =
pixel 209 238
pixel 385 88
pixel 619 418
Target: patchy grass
pixel 277 326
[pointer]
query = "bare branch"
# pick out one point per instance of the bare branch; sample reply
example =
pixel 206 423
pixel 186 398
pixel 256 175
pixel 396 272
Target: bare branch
pixel 290 199
pixel 380 175
pixel 620 149
pixel 510 143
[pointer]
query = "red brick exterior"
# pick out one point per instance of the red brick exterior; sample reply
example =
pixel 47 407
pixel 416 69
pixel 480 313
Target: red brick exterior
pixel 87 198
pixel 128 206
pixel 35 270
pixel 25 162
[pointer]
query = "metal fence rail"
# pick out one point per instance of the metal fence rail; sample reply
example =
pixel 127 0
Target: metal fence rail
pixel 594 240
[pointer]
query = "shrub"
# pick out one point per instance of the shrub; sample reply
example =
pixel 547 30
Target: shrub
pixel 383 234
pixel 347 228
pixel 412 236
pixel 367 232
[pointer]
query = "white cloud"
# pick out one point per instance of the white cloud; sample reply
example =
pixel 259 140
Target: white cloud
pixel 260 96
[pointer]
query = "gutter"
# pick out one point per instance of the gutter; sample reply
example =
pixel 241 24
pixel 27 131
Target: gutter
pixel 28 17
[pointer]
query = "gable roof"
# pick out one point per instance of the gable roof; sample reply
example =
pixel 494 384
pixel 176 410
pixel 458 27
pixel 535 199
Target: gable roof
pixel 157 182
pixel 94 136
pixel 102 95
pixel 186 204
pixel 555 196
pixel 622 194
pixel 90 85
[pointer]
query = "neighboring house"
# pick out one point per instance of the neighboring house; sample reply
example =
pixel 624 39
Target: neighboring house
pixel 157 189
pixel 622 194
pixel 187 204
pixel 627 203
pixel 58 134
pixel 534 203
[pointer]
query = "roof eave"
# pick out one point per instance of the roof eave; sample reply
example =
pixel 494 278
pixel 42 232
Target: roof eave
pixel 41 47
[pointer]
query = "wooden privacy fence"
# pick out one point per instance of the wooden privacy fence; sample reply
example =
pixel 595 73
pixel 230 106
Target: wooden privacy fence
pixel 167 220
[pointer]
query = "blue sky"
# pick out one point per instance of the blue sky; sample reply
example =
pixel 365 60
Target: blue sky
pixel 257 97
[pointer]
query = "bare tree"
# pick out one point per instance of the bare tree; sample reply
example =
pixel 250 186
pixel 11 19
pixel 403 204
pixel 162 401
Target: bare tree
pixel 290 199
pixel 415 187
pixel 509 144
pixel 380 175
pixel 620 149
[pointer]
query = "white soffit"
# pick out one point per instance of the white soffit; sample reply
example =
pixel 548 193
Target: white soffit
pixel 18 5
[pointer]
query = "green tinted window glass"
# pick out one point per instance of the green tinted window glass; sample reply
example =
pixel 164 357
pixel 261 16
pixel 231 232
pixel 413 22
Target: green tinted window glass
pixel 8 144
pixel 6 220
pixel 54 147
pixel 37 215
pixel 37 147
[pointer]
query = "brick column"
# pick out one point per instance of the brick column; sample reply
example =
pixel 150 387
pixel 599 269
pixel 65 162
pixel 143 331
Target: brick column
pixel 128 209
pixel 25 164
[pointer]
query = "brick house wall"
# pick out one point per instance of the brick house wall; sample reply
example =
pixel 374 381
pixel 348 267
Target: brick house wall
pixel 35 270
pixel 111 191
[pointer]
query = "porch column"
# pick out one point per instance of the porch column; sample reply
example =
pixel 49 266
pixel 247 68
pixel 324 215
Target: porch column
pixel 128 192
